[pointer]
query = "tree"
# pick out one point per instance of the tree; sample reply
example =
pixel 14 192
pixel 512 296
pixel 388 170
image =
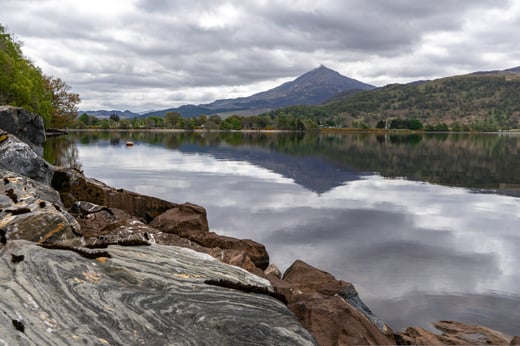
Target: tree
pixel 84 118
pixel 381 124
pixel 23 85
pixel 64 103
pixel 172 119
pixel 115 117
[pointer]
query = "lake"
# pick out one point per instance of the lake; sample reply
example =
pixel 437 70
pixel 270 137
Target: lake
pixel 425 226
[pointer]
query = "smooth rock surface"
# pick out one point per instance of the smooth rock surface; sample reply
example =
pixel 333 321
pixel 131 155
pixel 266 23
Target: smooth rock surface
pixel 153 295
pixel 18 157
pixel 453 333
pixel 25 125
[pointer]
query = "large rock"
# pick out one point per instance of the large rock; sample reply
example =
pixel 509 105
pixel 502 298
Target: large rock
pixel 33 211
pixel 189 221
pixel 182 220
pixel 74 186
pixel 24 125
pixel 453 333
pixel 330 309
pixel 154 295
pixel 18 157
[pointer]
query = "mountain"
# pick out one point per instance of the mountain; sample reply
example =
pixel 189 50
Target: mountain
pixel 484 100
pixel 106 114
pixel 311 88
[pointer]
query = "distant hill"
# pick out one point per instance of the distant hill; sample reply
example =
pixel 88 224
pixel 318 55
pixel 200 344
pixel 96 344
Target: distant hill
pixel 488 99
pixel 311 88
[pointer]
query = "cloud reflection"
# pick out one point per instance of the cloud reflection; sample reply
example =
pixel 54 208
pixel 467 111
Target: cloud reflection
pixel 393 238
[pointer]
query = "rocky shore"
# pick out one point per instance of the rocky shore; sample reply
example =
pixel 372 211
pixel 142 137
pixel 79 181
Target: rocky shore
pixel 85 263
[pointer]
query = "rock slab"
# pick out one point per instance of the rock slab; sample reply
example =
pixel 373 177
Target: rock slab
pixel 153 295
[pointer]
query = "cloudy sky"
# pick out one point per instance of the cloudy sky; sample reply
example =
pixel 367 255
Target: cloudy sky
pixel 154 54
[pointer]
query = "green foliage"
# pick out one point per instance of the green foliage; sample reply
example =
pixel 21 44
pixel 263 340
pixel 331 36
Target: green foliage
pixel 408 124
pixel 23 85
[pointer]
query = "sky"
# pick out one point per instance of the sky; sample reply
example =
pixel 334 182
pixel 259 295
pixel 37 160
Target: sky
pixel 145 55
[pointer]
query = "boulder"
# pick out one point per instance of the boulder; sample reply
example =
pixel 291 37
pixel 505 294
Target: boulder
pixel 273 270
pixel 515 341
pixel 33 211
pixel 453 333
pixel 330 309
pixel 74 186
pixel 25 125
pixel 154 295
pixel 182 220
pixel 18 157
pixel 189 221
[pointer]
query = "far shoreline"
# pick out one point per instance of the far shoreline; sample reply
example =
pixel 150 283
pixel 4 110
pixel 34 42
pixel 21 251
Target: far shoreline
pixel 324 130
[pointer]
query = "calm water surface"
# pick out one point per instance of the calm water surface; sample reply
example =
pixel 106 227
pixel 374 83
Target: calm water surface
pixel 425 226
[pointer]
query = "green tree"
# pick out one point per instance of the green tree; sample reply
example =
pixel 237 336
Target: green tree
pixel 172 120
pixel 84 118
pixel 115 117
pixel 23 85
pixel 64 103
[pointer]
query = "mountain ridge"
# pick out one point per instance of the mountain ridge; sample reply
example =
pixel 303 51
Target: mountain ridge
pixel 311 88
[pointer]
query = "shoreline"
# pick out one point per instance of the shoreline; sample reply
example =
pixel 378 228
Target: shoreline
pixel 325 131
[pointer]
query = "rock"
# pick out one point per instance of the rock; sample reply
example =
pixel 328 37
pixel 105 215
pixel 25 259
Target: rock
pixel 25 125
pixel 153 295
pixel 182 220
pixel 515 341
pixel 18 157
pixel 190 222
pixel 332 321
pixel 74 186
pixel 33 211
pixel 308 279
pixel 273 270
pixel 453 333
pixel 320 302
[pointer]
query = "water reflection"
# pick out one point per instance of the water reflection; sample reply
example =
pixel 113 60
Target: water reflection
pixel 427 251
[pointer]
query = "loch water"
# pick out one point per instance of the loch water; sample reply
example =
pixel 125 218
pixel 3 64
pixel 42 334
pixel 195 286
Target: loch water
pixel 426 226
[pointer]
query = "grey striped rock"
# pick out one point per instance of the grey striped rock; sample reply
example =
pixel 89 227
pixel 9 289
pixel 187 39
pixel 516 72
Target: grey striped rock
pixel 153 295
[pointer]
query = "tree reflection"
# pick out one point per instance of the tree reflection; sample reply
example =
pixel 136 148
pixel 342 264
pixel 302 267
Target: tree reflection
pixel 61 151
pixel 464 160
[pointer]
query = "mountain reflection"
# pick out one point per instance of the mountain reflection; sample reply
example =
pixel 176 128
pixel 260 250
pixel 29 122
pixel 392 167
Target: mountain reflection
pixel 320 162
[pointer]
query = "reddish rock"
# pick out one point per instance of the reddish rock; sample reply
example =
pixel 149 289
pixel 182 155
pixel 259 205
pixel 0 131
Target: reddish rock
pixel 332 321
pixel 273 270
pixel 234 257
pixel 453 333
pixel 189 221
pixel 320 302
pixel 515 341
pixel 73 186
pixel 182 220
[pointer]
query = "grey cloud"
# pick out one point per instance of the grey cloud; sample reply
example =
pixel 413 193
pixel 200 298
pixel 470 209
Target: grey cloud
pixel 189 44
